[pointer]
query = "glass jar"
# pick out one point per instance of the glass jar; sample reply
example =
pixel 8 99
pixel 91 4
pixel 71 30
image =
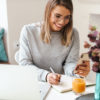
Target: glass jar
pixel 78 85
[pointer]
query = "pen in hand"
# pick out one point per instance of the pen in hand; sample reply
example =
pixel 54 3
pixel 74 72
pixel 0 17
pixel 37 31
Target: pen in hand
pixel 57 75
pixel 52 70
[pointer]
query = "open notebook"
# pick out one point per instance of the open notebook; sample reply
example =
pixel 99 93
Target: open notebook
pixel 66 84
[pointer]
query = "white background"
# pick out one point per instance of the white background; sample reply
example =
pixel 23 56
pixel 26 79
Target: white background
pixel 22 12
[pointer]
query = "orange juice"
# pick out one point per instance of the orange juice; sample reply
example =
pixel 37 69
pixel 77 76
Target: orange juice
pixel 78 85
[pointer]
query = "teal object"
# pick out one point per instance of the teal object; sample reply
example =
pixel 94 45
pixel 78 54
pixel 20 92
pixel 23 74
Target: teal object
pixel 97 88
pixel 3 56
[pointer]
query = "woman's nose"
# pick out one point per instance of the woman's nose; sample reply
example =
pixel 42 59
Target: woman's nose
pixel 62 22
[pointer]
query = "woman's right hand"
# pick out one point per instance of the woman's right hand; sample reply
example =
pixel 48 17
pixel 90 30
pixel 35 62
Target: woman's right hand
pixel 53 78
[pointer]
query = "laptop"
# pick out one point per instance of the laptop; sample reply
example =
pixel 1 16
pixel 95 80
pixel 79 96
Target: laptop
pixel 18 83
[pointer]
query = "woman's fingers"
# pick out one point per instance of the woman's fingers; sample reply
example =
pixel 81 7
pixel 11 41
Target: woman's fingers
pixel 82 69
pixel 56 77
pixel 59 77
pixel 53 78
pixel 53 81
pixel 82 72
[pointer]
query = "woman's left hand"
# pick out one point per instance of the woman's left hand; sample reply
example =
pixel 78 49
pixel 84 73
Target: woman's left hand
pixel 82 69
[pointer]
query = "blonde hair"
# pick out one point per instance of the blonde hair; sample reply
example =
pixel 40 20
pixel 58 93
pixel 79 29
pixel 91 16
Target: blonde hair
pixel 66 31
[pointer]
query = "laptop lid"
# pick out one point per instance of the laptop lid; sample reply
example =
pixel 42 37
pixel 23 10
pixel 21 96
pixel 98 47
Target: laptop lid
pixel 18 83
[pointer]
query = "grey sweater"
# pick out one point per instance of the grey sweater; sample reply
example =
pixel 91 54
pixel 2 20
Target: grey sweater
pixel 33 51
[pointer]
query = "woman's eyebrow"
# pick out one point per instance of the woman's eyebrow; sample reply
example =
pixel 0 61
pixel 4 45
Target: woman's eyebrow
pixel 58 14
pixel 62 15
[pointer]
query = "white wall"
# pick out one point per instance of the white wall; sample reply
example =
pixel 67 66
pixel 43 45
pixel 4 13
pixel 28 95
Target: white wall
pixel 82 9
pixel 22 12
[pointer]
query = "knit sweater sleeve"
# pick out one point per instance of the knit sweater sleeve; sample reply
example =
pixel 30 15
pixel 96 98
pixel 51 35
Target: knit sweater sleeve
pixel 72 58
pixel 25 57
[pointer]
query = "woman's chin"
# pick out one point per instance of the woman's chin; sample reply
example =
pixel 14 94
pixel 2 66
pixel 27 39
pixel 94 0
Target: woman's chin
pixel 57 29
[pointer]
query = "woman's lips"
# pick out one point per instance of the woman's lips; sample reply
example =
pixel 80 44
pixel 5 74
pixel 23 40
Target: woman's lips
pixel 59 26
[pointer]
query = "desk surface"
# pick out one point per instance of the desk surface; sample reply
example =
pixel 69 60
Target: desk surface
pixel 55 95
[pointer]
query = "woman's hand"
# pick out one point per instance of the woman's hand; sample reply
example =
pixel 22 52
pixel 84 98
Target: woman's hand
pixel 83 69
pixel 53 78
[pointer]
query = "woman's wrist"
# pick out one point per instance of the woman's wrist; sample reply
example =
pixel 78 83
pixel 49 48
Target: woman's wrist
pixel 46 76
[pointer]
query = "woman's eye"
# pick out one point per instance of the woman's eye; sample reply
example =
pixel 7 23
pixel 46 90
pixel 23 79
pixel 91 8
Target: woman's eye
pixel 57 16
pixel 67 17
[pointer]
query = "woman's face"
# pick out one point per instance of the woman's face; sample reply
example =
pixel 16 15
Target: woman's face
pixel 59 17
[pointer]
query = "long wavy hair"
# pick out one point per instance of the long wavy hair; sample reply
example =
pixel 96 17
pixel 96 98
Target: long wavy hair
pixel 66 31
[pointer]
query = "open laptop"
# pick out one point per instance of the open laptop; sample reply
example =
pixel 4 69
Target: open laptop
pixel 18 83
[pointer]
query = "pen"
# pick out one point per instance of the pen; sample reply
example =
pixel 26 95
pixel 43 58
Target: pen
pixel 52 70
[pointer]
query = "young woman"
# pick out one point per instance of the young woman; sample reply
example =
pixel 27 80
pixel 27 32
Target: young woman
pixel 52 43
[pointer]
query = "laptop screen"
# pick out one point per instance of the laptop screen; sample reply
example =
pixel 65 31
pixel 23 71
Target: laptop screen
pixel 18 83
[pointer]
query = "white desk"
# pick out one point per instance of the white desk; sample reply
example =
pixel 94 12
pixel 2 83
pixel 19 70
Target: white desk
pixel 52 95
pixel 55 95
